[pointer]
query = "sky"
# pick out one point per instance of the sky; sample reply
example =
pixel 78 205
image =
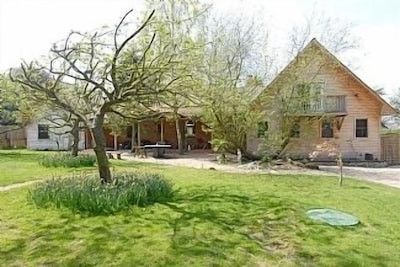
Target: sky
pixel 29 27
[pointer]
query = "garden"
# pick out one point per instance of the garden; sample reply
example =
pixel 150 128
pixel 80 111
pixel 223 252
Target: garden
pixel 158 215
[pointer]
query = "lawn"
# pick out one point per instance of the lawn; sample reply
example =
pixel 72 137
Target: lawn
pixel 17 166
pixel 218 219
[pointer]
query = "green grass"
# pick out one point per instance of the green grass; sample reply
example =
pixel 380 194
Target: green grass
pixel 216 219
pixel 65 159
pixel 18 166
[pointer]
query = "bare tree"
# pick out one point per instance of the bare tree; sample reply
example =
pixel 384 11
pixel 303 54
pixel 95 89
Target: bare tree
pixel 106 72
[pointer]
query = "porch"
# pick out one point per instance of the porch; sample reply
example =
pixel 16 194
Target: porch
pixel 161 131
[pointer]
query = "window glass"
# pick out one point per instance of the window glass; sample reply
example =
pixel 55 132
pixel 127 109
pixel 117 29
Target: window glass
pixel 361 128
pixel 327 129
pixel 43 131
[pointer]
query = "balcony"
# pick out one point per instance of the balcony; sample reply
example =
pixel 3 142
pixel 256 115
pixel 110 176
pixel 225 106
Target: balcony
pixel 327 105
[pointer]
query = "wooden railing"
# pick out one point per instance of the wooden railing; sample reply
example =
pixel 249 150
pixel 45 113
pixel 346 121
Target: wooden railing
pixel 327 104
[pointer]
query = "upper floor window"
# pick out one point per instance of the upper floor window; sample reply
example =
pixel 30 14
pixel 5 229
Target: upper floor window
pixel 361 128
pixel 310 91
pixel 43 131
pixel 308 96
pixel 262 129
pixel 327 128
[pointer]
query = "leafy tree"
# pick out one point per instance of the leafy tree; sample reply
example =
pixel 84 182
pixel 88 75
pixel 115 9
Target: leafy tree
pixel 228 84
pixel 177 22
pixel 103 76
pixel 21 108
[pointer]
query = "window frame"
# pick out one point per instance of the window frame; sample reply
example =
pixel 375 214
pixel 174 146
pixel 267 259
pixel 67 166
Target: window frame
pixel 262 129
pixel 363 128
pixel 331 126
pixel 43 131
pixel 310 95
pixel 190 128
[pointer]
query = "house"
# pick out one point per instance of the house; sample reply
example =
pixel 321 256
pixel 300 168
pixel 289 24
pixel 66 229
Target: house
pixel 39 135
pixel 325 102
pixel 46 134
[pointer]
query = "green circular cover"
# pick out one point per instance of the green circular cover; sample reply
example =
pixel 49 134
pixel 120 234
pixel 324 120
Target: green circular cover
pixel 332 217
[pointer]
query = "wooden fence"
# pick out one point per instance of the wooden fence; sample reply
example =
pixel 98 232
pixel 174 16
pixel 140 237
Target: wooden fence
pixel 390 148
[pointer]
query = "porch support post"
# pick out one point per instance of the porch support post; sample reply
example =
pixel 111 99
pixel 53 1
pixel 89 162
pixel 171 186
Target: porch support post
pixel 162 129
pixel 133 138
pixel 115 142
pixel 138 134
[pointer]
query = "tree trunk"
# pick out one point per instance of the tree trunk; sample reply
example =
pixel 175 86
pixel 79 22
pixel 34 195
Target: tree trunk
pixel 100 149
pixel 179 136
pixel 75 139
pixel 133 137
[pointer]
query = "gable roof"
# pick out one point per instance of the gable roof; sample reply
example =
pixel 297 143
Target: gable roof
pixel 386 109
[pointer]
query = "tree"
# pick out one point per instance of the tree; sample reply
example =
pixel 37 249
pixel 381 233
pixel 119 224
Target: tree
pixel 177 22
pixel 228 74
pixel 103 76
pixel 25 110
pixel 333 150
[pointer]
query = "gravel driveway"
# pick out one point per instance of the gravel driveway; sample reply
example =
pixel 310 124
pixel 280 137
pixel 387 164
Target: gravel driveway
pixel 388 176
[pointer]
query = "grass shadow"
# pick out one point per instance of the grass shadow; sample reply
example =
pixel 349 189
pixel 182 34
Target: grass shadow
pixel 217 222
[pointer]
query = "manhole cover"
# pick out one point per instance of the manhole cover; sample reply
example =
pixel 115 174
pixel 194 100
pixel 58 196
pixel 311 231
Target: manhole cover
pixel 332 217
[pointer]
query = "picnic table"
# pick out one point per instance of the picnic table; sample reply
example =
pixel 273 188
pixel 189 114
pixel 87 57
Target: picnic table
pixel 158 149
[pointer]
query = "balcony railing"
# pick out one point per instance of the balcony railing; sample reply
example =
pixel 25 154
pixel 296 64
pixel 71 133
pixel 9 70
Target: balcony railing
pixel 327 104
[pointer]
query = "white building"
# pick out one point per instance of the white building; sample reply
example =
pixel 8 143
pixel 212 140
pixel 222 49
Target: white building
pixel 44 135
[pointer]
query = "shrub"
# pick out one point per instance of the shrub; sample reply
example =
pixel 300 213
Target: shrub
pixel 85 193
pixel 67 160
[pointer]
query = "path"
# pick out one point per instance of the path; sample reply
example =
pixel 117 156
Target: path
pixel 17 185
pixel 388 176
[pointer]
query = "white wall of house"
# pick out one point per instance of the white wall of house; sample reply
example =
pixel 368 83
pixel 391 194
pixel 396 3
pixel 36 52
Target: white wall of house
pixel 56 140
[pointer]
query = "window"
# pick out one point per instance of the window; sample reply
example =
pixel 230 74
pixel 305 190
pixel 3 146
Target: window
pixel 295 129
pixel 327 128
pixel 43 131
pixel 189 128
pixel 361 128
pixel 309 96
pixel 262 129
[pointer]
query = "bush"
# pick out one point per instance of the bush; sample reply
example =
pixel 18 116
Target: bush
pixel 86 194
pixel 67 160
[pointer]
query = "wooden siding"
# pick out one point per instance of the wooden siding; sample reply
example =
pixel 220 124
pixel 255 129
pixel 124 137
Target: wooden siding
pixel 54 142
pixel 360 104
